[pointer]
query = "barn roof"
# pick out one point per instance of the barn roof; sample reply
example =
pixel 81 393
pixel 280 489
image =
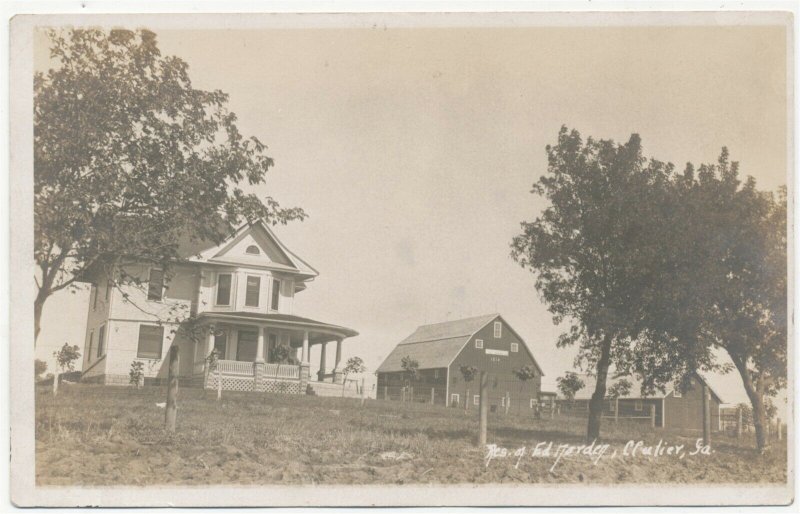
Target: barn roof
pixel 436 345
pixel 635 390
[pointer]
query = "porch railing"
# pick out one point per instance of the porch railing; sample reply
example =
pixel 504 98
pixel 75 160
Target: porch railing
pixel 235 367
pixel 244 368
pixel 282 371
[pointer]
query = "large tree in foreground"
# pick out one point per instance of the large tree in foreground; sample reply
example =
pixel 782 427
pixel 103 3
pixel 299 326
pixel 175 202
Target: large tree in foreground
pixel 594 246
pixel 129 158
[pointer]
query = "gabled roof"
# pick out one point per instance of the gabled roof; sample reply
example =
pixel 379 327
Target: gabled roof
pixel 438 344
pixel 589 383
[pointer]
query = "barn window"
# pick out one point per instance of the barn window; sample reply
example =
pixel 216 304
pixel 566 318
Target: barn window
pixel 476 400
pixel 638 406
pixel 533 403
pixel 436 374
pixel 612 405
pixel 498 329
pixel 454 400
pixel 514 347
pixel 503 401
pixel 677 393
pixel 479 343
pixel 253 250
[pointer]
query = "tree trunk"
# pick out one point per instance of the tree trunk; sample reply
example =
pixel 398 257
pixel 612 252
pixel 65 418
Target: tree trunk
pixel 38 306
pixel 596 403
pixel 757 402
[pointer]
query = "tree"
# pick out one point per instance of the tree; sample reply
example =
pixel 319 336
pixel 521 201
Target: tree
pixel 593 246
pixel 130 159
pixel 39 367
pixel 410 367
pixel 353 365
pixel 66 357
pixel 621 387
pixel 468 373
pixel 569 385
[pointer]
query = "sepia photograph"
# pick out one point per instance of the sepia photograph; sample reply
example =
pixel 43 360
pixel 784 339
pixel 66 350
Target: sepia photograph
pixel 402 259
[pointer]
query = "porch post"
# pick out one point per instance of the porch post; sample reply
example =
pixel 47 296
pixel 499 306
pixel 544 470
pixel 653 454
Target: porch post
pixel 338 374
pixel 305 366
pixel 258 365
pixel 321 372
pixel 209 349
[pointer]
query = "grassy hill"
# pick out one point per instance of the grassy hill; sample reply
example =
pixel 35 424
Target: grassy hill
pixel 95 435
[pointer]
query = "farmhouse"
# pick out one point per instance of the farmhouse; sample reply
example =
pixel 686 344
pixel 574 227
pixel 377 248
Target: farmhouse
pixel 675 409
pixel 486 343
pixel 235 298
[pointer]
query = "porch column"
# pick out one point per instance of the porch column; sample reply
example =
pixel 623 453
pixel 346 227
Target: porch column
pixel 338 374
pixel 259 366
pixel 209 349
pixel 321 372
pixel 305 366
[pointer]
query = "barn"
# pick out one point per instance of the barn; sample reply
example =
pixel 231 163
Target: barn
pixel 673 409
pixel 485 343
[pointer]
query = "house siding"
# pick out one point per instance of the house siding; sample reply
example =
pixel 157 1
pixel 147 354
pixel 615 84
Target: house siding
pixel 501 378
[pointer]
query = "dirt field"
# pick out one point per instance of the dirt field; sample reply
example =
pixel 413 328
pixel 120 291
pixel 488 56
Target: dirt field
pixel 94 435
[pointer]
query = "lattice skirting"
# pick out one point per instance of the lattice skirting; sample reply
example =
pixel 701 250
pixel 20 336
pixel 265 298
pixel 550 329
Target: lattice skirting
pixel 281 386
pixel 245 383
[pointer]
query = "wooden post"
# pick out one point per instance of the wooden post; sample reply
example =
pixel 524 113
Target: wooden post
pixel 706 416
pixel 219 382
pixel 385 392
pixel 616 410
pixel 55 383
pixel 652 416
pixel 467 400
pixel 552 409
pixel 404 395
pixel 433 397
pixel 172 388
pixel 778 426
pixel 483 408
pixel 739 422
pixel 411 394
pixel 363 391
pixel 508 402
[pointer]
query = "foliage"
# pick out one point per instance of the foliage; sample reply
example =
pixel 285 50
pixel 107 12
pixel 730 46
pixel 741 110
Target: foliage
pixel 39 367
pixel 410 367
pixel 66 357
pixel 130 158
pixel 354 365
pixel 282 354
pixel 136 374
pixel 570 384
pixel 525 373
pixel 469 373
pixel 621 387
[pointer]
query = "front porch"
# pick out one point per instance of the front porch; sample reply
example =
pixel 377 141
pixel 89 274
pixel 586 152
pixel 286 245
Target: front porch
pixel 266 352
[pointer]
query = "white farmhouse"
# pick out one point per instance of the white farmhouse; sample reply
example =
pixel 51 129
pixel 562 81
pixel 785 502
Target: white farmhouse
pixel 238 298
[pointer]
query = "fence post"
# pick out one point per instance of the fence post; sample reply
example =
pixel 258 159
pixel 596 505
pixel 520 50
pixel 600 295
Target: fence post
pixel 739 422
pixel 55 383
pixel 172 388
pixel 508 402
pixel 219 382
pixel 706 416
pixel 483 408
pixel 363 391
pixel 432 395
pixel 403 399
pixel 385 392
pixel 411 394
pixel 616 410
pixel 778 427
pixel 466 401
pixel 652 416
pixel 552 409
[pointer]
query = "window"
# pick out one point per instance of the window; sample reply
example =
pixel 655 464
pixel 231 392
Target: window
pixel 479 343
pixel 612 405
pixel 101 342
pixel 514 347
pixel 221 344
pixel 253 250
pixel 454 400
pixel 224 289
pixel 155 285
pixel 638 406
pixel 94 298
pixel 533 403
pixel 498 329
pixel 476 400
pixel 108 288
pixel 247 345
pixel 502 401
pixel 276 294
pixel 677 393
pixel 91 343
pixel 251 294
pixel 151 338
pixel 435 374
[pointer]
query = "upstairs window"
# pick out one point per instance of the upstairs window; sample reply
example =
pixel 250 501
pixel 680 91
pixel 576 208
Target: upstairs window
pixel 498 329
pixel 253 250
pixel 252 292
pixel 101 342
pixel 91 344
pixel 94 298
pixel 276 294
pixel 151 338
pixel 224 289
pixel 479 343
pixel 155 285
pixel 514 347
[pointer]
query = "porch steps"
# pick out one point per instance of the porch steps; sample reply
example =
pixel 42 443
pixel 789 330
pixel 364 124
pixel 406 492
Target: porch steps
pixel 329 389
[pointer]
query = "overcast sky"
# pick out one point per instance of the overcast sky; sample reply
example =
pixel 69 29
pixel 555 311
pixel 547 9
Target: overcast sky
pixel 414 151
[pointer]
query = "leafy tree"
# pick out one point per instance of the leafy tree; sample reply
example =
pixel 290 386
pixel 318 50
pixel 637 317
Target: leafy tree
pixel 592 247
pixel 410 367
pixel 39 367
pixel 468 373
pixel 66 357
pixel 353 365
pixel 570 384
pixel 130 158
pixel 621 387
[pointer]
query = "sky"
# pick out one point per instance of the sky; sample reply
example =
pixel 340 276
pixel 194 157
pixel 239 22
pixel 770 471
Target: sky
pixel 414 151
